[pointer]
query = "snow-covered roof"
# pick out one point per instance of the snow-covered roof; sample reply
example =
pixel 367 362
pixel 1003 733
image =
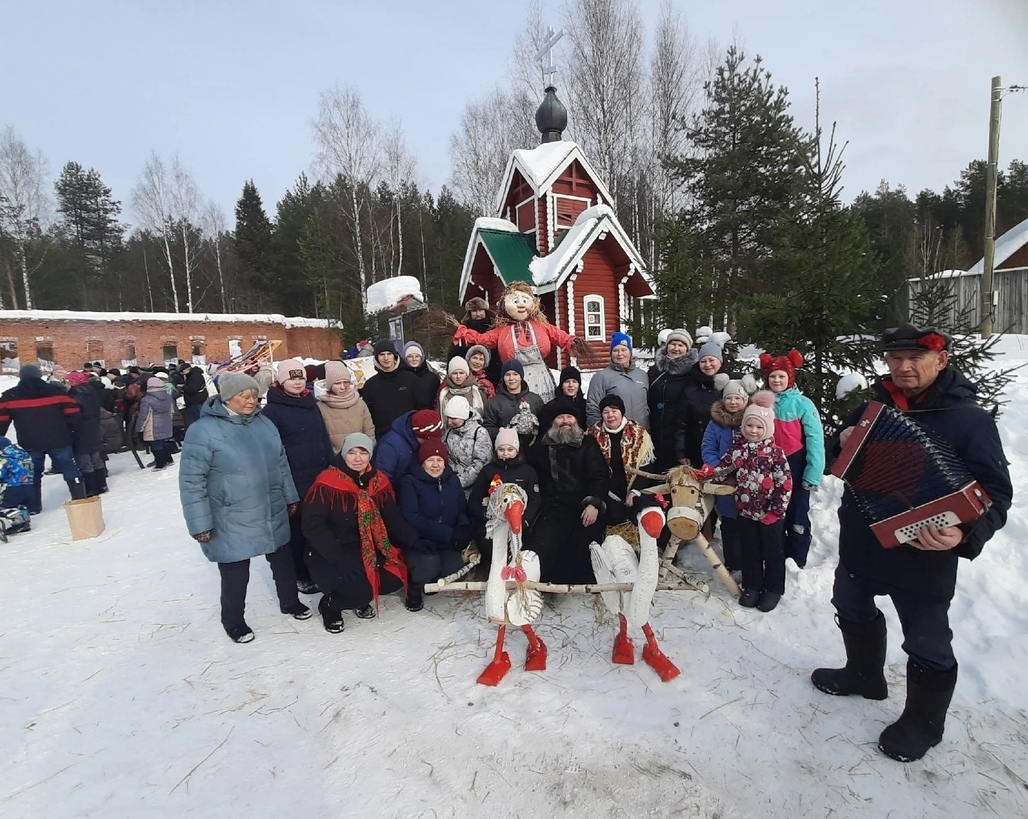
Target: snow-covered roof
pixel 1006 246
pixel 548 272
pixel 541 165
pixel 388 293
pixel 92 315
pixel 493 223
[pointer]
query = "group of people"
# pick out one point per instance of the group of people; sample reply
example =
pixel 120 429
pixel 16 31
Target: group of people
pixel 356 493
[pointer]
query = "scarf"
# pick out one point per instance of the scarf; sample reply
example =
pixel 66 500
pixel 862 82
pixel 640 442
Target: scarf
pixel 636 446
pixel 334 485
pixel 340 401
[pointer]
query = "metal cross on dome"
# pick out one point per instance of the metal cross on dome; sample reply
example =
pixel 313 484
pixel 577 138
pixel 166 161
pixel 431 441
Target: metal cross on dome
pixel 545 53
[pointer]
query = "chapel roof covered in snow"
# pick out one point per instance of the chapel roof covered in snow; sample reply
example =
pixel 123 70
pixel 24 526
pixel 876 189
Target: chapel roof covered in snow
pixel 542 165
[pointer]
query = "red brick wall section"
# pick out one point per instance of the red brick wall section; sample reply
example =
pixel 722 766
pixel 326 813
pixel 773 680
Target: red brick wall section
pixel 70 339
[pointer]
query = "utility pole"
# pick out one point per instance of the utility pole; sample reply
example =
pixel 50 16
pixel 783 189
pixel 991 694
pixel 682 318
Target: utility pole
pixel 986 302
pixel 987 295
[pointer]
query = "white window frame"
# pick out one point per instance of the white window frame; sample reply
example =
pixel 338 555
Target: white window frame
pixel 585 317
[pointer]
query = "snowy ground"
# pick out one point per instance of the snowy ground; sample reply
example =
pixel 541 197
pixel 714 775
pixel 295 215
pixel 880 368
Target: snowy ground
pixel 122 697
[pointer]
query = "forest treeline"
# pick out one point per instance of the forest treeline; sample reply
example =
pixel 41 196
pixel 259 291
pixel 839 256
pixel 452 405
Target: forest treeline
pixel 736 208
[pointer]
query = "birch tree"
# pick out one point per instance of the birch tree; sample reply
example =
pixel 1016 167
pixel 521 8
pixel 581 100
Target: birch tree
pixel 185 209
pixel 606 85
pixel 24 201
pixel 349 146
pixel 152 203
pixel 213 223
pixel 399 170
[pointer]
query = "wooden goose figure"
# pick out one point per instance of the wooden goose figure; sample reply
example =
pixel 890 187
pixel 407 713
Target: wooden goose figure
pixel 615 562
pixel 520 606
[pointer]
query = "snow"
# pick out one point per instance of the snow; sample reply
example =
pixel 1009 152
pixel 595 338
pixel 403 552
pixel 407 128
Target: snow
pixel 492 223
pixel 123 697
pixel 848 383
pixel 86 315
pixel 542 162
pixel 1006 245
pixel 386 294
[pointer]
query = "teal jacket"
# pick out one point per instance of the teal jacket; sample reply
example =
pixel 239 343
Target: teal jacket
pixel 798 426
pixel 234 482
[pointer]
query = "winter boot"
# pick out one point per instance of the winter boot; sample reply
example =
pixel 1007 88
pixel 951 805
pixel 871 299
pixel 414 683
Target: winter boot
pixel 102 478
pixel 865 662
pixel 921 724
pixel 330 615
pixel 89 479
pixel 77 488
pixel 240 633
pixel 414 600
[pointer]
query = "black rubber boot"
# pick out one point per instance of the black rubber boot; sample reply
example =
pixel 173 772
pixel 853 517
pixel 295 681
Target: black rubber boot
pixel 921 724
pixel 414 600
pixel 77 488
pixel 863 673
pixel 102 477
pixel 92 484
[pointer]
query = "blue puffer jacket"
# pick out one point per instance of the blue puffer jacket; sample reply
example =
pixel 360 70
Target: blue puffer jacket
pixel 234 481
pixel 435 507
pixel 721 433
pixel 395 451
pixel 303 434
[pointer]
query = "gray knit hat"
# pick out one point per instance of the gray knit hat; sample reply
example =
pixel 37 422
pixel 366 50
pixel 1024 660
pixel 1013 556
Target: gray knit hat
pixel 682 335
pixel 231 384
pixel 357 439
pixel 712 348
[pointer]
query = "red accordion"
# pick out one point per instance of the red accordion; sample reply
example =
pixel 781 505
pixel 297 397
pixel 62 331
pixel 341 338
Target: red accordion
pixel 903 479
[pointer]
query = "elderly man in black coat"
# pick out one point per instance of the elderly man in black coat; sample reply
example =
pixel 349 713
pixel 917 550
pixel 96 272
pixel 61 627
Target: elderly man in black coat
pixel 573 483
pixel 920 576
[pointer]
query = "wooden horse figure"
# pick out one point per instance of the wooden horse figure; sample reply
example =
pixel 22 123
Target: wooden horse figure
pixel 615 562
pixel 691 504
pixel 521 605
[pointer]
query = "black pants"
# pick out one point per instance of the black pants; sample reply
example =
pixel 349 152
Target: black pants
pixel 763 561
pixel 562 543
pixel 236 576
pixel 927 636
pixel 298 545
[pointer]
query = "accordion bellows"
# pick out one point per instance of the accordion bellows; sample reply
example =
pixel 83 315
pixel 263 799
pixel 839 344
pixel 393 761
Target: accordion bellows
pixel 903 479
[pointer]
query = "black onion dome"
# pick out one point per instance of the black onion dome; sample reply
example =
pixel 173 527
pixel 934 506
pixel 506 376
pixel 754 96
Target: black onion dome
pixel 552 117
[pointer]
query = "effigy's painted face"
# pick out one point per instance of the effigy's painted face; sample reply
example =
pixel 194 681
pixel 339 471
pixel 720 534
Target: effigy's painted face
pixel 518 305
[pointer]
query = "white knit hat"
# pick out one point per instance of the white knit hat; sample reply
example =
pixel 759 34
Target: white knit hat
pixel 457 407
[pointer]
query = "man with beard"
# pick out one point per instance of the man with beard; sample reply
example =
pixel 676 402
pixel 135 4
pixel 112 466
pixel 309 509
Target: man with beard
pixel 573 482
pixel 392 391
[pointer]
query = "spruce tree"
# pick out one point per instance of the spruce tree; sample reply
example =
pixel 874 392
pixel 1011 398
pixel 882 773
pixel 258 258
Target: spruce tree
pixel 826 302
pixel 252 237
pixel 742 175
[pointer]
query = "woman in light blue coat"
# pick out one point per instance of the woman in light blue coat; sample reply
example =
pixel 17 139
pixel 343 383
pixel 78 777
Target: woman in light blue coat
pixel 237 494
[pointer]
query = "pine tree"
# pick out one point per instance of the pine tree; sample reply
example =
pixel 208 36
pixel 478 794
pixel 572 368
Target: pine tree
pixel 252 238
pixel 743 175
pixel 90 219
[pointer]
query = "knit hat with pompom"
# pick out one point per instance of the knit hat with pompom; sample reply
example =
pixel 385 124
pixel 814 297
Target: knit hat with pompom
pixel 761 408
pixel 785 363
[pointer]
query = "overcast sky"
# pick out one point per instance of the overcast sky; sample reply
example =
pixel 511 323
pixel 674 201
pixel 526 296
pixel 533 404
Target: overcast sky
pixel 232 87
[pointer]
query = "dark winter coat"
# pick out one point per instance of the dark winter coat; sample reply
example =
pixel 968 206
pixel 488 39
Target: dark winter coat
pixel 697 397
pixel 664 398
pixel 436 508
pixel 426 391
pixel 721 433
pixel 112 432
pixel 571 475
pixel 500 410
pixel 155 408
pixel 234 482
pixel 514 470
pixel 303 434
pixel 333 536
pixel 395 452
pixel 390 395
pixel 947 411
pixel 88 438
pixel 194 387
pixel 44 415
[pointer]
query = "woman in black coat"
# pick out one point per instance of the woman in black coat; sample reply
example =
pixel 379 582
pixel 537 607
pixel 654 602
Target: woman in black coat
pixel 293 409
pixel 88 440
pixel 698 396
pixel 355 534
pixel 667 383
